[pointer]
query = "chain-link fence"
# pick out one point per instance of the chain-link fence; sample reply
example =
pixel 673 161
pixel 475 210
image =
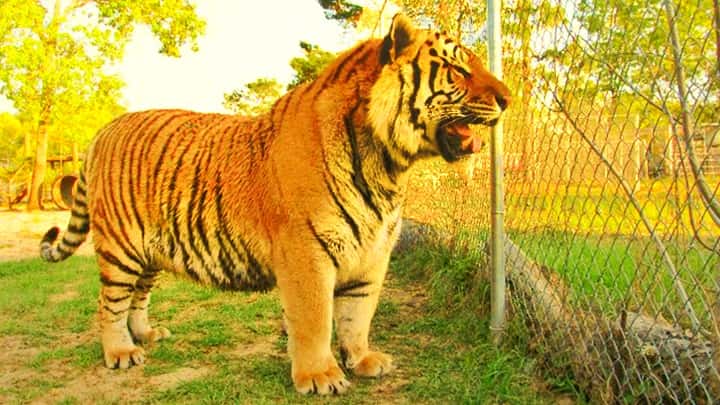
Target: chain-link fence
pixel 612 176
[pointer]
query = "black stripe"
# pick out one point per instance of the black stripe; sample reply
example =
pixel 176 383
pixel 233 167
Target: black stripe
pixel 122 311
pixel 346 215
pixel 201 158
pixel 114 236
pixel 110 196
pixel 286 100
pixel 79 203
pixel 448 96
pixel 112 259
pixel 80 190
pixel 82 229
pixel 223 229
pixel 391 166
pixel 358 62
pixel 254 277
pixel 434 66
pixel 164 153
pixel 200 225
pixel 449 75
pixel 358 178
pixel 145 158
pixel 226 263
pixel 191 208
pixel 345 290
pixel 255 271
pixel 323 244
pixel 126 147
pixel 51 235
pixel 141 137
pixel 72 244
pixel 175 195
pixel 352 295
pixel 111 283
pixel 385 50
pixel 398 109
pixel 341 65
pixel 414 112
pixel 214 280
pixel 81 215
pixel 64 253
pixel 118 299
pixel 224 257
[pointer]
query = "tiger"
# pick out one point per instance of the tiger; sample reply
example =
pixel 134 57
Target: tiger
pixel 306 198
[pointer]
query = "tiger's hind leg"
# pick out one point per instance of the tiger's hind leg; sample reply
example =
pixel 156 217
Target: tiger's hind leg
pixel 116 295
pixel 138 321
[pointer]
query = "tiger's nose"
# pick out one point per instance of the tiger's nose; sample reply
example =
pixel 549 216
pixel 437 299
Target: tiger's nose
pixel 501 101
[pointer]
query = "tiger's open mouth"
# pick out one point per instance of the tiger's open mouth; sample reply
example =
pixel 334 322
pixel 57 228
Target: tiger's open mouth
pixel 457 140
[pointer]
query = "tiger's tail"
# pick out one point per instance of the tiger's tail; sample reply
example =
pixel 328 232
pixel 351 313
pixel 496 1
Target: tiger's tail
pixel 76 232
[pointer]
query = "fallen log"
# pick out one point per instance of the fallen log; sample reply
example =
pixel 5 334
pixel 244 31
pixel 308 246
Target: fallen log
pixel 635 358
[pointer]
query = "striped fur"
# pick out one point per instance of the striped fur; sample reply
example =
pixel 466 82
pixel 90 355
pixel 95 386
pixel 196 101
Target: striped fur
pixel 77 229
pixel 307 197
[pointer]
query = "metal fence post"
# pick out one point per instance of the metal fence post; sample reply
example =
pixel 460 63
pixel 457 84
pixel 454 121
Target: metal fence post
pixel 497 204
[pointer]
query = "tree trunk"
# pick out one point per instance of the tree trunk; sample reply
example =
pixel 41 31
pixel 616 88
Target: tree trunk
pixel 38 174
pixel 27 152
pixel 716 15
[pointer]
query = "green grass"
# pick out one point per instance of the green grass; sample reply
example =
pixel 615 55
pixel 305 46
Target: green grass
pixel 233 342
pixel 26 287
pixel 613 274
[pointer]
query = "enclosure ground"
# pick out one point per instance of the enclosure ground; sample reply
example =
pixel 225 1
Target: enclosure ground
pixel 228 347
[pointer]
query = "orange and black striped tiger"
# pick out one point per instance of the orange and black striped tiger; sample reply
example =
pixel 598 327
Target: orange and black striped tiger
pixel 307 197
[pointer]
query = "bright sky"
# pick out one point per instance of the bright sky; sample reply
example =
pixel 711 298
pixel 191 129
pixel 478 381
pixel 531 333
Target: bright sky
pixel 244 40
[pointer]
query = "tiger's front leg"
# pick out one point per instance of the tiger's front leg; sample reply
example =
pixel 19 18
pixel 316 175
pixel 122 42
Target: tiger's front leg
pixel 306 292
pixel 355 305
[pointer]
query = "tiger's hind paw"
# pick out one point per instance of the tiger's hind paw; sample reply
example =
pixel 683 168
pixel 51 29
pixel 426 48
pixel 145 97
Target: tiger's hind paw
pixel 373 364
pixel 124 357
pixel 153 335
pixel 331 381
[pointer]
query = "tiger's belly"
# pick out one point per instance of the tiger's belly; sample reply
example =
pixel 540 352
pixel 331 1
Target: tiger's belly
pixel 226 262
pixel 229 262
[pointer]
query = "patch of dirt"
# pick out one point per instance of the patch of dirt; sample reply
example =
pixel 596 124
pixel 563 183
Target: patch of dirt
pixel 101 385
pixel 22 231
pixel 96 385
pixel 259 346
pixel 173 379
pixel 16 354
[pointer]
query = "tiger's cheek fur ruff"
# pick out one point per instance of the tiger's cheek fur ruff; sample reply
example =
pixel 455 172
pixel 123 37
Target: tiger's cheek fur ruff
pixel 307 197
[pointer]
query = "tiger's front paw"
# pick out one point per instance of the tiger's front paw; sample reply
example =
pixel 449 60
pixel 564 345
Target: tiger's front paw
pixel 330 381
pixel 373 364
pixel 124 357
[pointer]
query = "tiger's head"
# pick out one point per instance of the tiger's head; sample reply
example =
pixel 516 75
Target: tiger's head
pixel 429 91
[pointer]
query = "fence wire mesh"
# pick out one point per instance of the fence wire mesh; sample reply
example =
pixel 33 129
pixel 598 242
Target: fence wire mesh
pixel 612 168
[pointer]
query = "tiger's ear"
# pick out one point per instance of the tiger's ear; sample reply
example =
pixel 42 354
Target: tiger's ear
pixel 402 33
